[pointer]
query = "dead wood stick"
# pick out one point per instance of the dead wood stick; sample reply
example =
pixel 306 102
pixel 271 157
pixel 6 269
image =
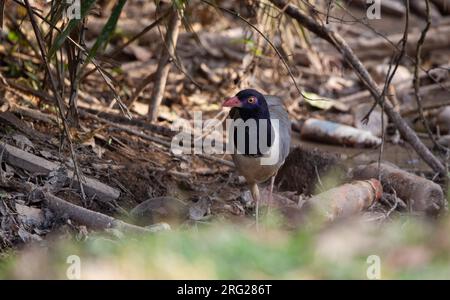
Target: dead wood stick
pixel 348 199
pixel 34 114
pixel 10 119
pixel 421 194
pixel 162 72
pixel 94 220
pixel 91 219
pixel 341 45
pixel 58 98
pixel 127 43
pixel 35 164
pixel 171 172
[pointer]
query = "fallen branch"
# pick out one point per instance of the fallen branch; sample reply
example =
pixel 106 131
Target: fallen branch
pixel 416 79
pixel 10 119
pixel 421 194
pixel 35 164
pixel 66 210
pixel 92 219
pixel 34 114
pixel 347 199
pixel 341 45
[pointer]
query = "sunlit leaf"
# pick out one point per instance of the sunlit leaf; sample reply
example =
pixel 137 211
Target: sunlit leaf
pixel 324 103
pixel 13 37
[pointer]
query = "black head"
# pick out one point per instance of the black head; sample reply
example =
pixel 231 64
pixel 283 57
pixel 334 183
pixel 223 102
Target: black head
pixel 249 100
pixel 251 104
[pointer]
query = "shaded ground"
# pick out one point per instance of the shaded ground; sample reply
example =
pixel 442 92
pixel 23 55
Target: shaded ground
pixel 207 192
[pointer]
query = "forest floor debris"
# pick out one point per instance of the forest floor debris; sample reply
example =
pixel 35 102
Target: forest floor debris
pixel 131 178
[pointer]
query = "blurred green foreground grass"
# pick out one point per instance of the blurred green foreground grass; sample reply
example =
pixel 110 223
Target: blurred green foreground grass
pixel 406 248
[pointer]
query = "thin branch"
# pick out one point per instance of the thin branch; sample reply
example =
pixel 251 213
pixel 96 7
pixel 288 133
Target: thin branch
pixel 341 45
pixel 395 61
pixel 416 79
pixel 366 24
pixel 59 100
pixel 388 81
pixel 265 38
pixel 100 69
pixel 126 44
pixel 154 139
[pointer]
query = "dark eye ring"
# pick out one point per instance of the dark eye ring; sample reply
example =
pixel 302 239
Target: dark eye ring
pixel 251 100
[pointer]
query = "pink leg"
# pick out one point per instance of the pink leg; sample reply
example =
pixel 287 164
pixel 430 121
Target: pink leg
pixel 255 193
pixel 269 203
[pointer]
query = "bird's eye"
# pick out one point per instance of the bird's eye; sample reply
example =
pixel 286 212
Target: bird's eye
pixel 251 100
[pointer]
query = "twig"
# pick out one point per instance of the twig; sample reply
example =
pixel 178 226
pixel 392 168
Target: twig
pixel 93 109
pixel 221 116
pixel 265 38
pixel 34 114
pixel 416 79
pixel 171 172
pixel 387 83
pixel 389 42
pixel 142 85
pixel 23 37
pixel 106 78
pixel 126 44
pixel 74 61
pixel 157 140
pixel 330 3
pixel 91 219
pixel 134 122
pixel 59 100
pixel 35 164
pixel 341 45
pixel 395 61
pixel 162 72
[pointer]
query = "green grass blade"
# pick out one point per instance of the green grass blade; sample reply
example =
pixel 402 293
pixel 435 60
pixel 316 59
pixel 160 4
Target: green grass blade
pixel 107 30
pixel 61 37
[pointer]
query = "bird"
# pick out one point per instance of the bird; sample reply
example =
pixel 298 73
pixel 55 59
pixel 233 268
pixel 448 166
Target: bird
pixel 272 136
